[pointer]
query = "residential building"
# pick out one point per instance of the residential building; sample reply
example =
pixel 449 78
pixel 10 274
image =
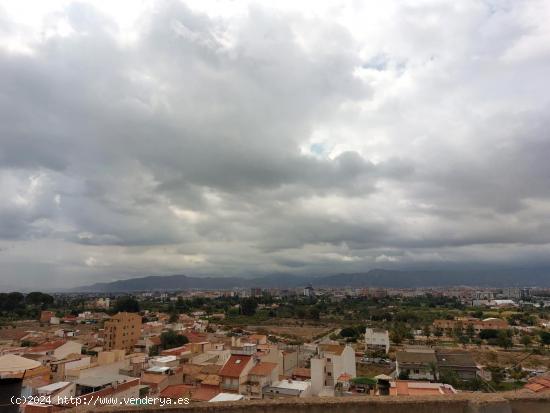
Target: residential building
pixel 288 388
pixel 122 331
pixel 261 375
pixel 377 339
pixel 234 373
pixel 478 325
pixel 416 364
pixel 56 350
pixel 419 388
pixel 460 362
pixel 332 361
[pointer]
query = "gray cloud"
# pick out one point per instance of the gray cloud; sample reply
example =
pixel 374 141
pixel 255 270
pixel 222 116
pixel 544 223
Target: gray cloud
pixel 273 141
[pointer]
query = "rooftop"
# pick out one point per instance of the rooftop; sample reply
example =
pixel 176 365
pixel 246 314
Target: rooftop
pixel 234 366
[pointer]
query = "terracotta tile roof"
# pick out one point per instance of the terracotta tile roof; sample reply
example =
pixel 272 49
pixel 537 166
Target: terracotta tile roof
pixel 263 369
pixel 344 377
pixel 176 391
pixel 48 346
pixel 416 388
pixel 205 393
pixel 234 366
pixel 175 351
pixel 538 384
pixel 195 337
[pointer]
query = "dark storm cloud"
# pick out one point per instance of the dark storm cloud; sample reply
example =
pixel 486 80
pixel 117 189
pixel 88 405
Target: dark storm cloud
pixel 273 141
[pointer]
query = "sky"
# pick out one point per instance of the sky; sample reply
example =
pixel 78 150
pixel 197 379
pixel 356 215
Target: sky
pixel 260 137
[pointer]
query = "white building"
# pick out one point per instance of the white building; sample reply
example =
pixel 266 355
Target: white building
pixel 288 388
pixel 332 361
pixel 377 339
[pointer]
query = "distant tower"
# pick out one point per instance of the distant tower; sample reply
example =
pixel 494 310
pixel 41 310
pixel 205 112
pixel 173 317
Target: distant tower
pixel 308 291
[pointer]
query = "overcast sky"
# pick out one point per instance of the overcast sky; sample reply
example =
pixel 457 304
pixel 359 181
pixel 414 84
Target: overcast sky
pixel 255 137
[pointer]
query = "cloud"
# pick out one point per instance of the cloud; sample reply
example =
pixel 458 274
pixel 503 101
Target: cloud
pixel 257 139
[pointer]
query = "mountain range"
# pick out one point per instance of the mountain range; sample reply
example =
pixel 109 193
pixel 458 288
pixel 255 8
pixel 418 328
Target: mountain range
pixel 373 278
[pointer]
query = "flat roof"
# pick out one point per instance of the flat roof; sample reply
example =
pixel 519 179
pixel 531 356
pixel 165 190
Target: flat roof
pixel 226 397
pixel 164 359
pixel 98 381
pixel 292 385
pixel 50 388
pixel 157 369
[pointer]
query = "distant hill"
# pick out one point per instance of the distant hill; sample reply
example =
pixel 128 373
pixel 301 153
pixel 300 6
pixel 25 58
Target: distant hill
pixel 372 278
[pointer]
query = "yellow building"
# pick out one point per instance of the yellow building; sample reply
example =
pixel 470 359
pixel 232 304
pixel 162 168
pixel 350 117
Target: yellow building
pixel 122 331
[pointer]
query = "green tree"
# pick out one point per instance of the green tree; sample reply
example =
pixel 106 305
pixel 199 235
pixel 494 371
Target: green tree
pixel 38 299
pixel 249 306
pixel 427 331
pixel 470 332
pixel 526 340
pixel 504 339
pixel 170 339
pixel 544 337
pixel 127 304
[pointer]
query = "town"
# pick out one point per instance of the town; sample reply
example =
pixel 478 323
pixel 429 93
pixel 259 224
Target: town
pixel 253 344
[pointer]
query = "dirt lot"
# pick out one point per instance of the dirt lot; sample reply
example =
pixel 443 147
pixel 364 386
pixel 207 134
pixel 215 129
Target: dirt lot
pixel 306 333
pixel 503 358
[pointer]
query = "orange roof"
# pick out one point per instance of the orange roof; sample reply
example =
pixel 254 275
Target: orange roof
pixel 416 388
pixel 48 346
pixel 205 393
pixel 176 351
pixel 176 391
pixel 263 369
pixel 344 377
pixel 538 384
pixel 195 337
pixel 234 366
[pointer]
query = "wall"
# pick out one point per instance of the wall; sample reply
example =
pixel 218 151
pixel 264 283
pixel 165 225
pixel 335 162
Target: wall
pixel 459 403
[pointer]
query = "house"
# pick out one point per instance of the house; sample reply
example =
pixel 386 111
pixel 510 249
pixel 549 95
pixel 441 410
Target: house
pixel 205 393
pixel 540 384
pixel 177 391
pixel 377 339
pixel 57 349
pixel 460 362
pixel 234 373
pixel 288 388
pixel 332 361
pixel 416 364
pixel 45 316
pixel 226 397
pixel 301 374
pixel 419 388
pixel 490 323
pixel 261 375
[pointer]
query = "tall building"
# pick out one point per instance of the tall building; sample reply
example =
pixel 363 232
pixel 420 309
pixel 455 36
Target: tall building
pixel 122 331
pixel 332 362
